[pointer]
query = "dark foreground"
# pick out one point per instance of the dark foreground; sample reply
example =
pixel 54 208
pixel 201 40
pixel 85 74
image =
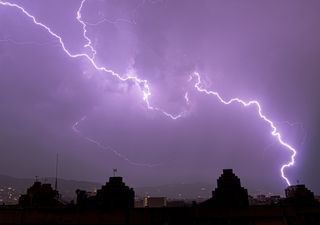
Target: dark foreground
pixel 254 215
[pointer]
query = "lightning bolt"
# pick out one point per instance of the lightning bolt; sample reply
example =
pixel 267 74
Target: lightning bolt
pixel 114 22
pixel 145 88
pixel 274 130
pixel 303 136
pixel 108 148
pixel 301 128
pixel 84 28
pixel 186 98
pixel 117 21
pixel 141 83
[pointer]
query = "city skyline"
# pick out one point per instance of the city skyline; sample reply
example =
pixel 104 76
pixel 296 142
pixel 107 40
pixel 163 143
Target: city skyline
pixel 227 192
pixel 115 202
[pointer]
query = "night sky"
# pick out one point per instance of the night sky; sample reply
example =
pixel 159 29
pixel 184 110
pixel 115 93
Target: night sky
pixel 51 103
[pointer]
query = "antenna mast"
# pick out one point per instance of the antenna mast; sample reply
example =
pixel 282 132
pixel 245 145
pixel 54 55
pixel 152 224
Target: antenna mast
pixel 56 181
pixel 115 171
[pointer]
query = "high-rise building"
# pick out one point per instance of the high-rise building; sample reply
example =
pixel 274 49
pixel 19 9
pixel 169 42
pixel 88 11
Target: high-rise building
pixel 40 195
pixel 229 192
pixel 299 195
pixel 113 195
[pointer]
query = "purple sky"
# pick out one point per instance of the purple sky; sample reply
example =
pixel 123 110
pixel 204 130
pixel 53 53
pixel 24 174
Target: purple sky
pixel 263 50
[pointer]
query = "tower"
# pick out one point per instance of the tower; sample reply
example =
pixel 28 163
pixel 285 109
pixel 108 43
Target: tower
pixel 56 179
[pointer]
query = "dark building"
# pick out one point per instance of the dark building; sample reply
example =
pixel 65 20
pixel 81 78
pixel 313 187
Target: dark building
pixel 228 205
pixel 113 195
pixel 299 195
pixel 40 195
pixel 86 199
pixel 229 192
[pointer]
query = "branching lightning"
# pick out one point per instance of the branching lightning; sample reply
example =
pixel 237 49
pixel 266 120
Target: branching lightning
pixel 108 148
pixel 300 126
pixel 110 21
pixel 145 88
pixel 141 83
pixel 304 135
pixel 117 21
pixel 274 130
pixel 186 97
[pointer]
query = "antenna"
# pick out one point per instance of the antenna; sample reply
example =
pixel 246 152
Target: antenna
pixel 114 172
pixel 56 181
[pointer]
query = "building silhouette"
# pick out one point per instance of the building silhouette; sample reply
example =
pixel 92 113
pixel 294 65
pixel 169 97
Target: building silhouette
pixel 299 195
pixel 114 204
pixel 229 192
pixel 40 195
pixel 113 195
pixel 85 199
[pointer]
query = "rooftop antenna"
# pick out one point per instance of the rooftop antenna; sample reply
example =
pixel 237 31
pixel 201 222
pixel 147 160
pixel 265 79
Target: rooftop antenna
pixel 115 171
pixel 56 181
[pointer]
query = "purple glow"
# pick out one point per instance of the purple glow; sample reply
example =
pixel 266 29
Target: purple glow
pixel 107 148
pixel 143 84
pixel 274 131
pixel 144 87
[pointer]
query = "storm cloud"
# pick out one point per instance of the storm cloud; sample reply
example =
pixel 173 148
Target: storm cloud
pixel 263 50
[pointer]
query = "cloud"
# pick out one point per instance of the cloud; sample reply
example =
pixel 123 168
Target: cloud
pixel 267 51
